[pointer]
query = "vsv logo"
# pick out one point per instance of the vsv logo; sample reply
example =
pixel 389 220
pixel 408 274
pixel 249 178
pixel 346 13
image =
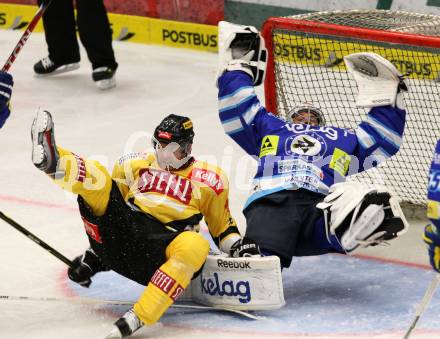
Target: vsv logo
pixel 213 286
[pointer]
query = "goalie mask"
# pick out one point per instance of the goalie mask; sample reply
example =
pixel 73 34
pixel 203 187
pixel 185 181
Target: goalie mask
pixel 172 142
pixel 306 114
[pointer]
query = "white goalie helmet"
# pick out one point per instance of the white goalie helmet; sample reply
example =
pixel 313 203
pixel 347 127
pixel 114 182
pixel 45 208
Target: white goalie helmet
pixel 307 114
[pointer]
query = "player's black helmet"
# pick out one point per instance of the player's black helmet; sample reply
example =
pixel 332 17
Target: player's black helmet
pixel 175 128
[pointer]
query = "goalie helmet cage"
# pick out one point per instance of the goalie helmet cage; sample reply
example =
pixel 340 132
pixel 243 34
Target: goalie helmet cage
pixel 305 64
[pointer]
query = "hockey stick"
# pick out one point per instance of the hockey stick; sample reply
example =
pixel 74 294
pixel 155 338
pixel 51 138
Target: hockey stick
pixel 35 239
pixel 93 301
pixel 69 263
pixel 26 35
pixel 425 301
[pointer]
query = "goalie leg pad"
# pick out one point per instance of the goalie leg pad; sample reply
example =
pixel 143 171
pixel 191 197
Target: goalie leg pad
pixel 370 219
pixel 251 283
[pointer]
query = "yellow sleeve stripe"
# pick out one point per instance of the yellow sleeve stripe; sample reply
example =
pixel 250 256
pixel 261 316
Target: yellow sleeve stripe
pixel 437 258
pixel 427 240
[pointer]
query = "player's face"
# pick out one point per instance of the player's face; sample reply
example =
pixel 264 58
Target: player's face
pixel 173 147
pixel 172 156
pixel 305 117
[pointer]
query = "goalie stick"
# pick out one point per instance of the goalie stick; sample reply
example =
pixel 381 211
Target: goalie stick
pixel 93 301
pixel 425 301
pixel 26 35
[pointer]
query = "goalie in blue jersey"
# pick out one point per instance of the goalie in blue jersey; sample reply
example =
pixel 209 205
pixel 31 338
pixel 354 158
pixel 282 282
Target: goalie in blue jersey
pixel 300 203
pixel 432 231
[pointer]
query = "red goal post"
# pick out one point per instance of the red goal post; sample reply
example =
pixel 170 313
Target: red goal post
pixel 305 65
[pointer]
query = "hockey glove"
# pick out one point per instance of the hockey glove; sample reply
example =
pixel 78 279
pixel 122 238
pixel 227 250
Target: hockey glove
pixel 245 248
pixel 432 238
pixel 379 82
pixel 6 83
pixel 242 48
pixel 84 267
pixel 125 326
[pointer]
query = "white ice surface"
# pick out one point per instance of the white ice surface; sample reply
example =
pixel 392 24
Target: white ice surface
pixel 152 82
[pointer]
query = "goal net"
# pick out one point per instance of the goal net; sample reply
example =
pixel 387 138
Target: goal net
pixel 306 65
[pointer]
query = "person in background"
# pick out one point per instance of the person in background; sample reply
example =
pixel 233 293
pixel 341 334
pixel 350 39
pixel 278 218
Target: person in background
pixel 94 33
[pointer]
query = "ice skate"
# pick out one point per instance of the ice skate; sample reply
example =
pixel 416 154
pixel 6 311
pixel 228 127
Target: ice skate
pixel 46 67
pixel 104 77
pixel 125 326
pixel 44 152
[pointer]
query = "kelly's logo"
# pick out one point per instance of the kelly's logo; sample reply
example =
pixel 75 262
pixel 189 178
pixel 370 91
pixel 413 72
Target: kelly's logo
pixel 213 286
pixel 209 178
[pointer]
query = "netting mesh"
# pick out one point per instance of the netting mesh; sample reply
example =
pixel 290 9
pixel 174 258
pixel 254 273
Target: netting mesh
pixel 309 68
pixel 397 21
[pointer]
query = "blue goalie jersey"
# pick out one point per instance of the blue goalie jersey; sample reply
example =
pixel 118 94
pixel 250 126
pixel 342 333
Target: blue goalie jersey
pixel 292 156
pixel 434 188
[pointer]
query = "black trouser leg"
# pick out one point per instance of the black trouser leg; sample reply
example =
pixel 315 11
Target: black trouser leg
pixel 283 223
pixel 95 33
pixel 60 30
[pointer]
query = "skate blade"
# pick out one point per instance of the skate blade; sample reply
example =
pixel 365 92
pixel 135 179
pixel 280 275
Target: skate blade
pixel 106 84
pixel 60 70
pixel 114 334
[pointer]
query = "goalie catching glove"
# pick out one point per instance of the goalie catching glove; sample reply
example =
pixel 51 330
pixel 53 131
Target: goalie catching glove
pixel 241 48
pixel 378 80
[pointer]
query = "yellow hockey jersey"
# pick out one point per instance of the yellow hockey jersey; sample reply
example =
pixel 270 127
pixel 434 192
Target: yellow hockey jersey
pixel 179 199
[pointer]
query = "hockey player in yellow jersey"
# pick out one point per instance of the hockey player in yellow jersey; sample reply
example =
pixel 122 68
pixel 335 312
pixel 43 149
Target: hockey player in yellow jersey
pixel 140 220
